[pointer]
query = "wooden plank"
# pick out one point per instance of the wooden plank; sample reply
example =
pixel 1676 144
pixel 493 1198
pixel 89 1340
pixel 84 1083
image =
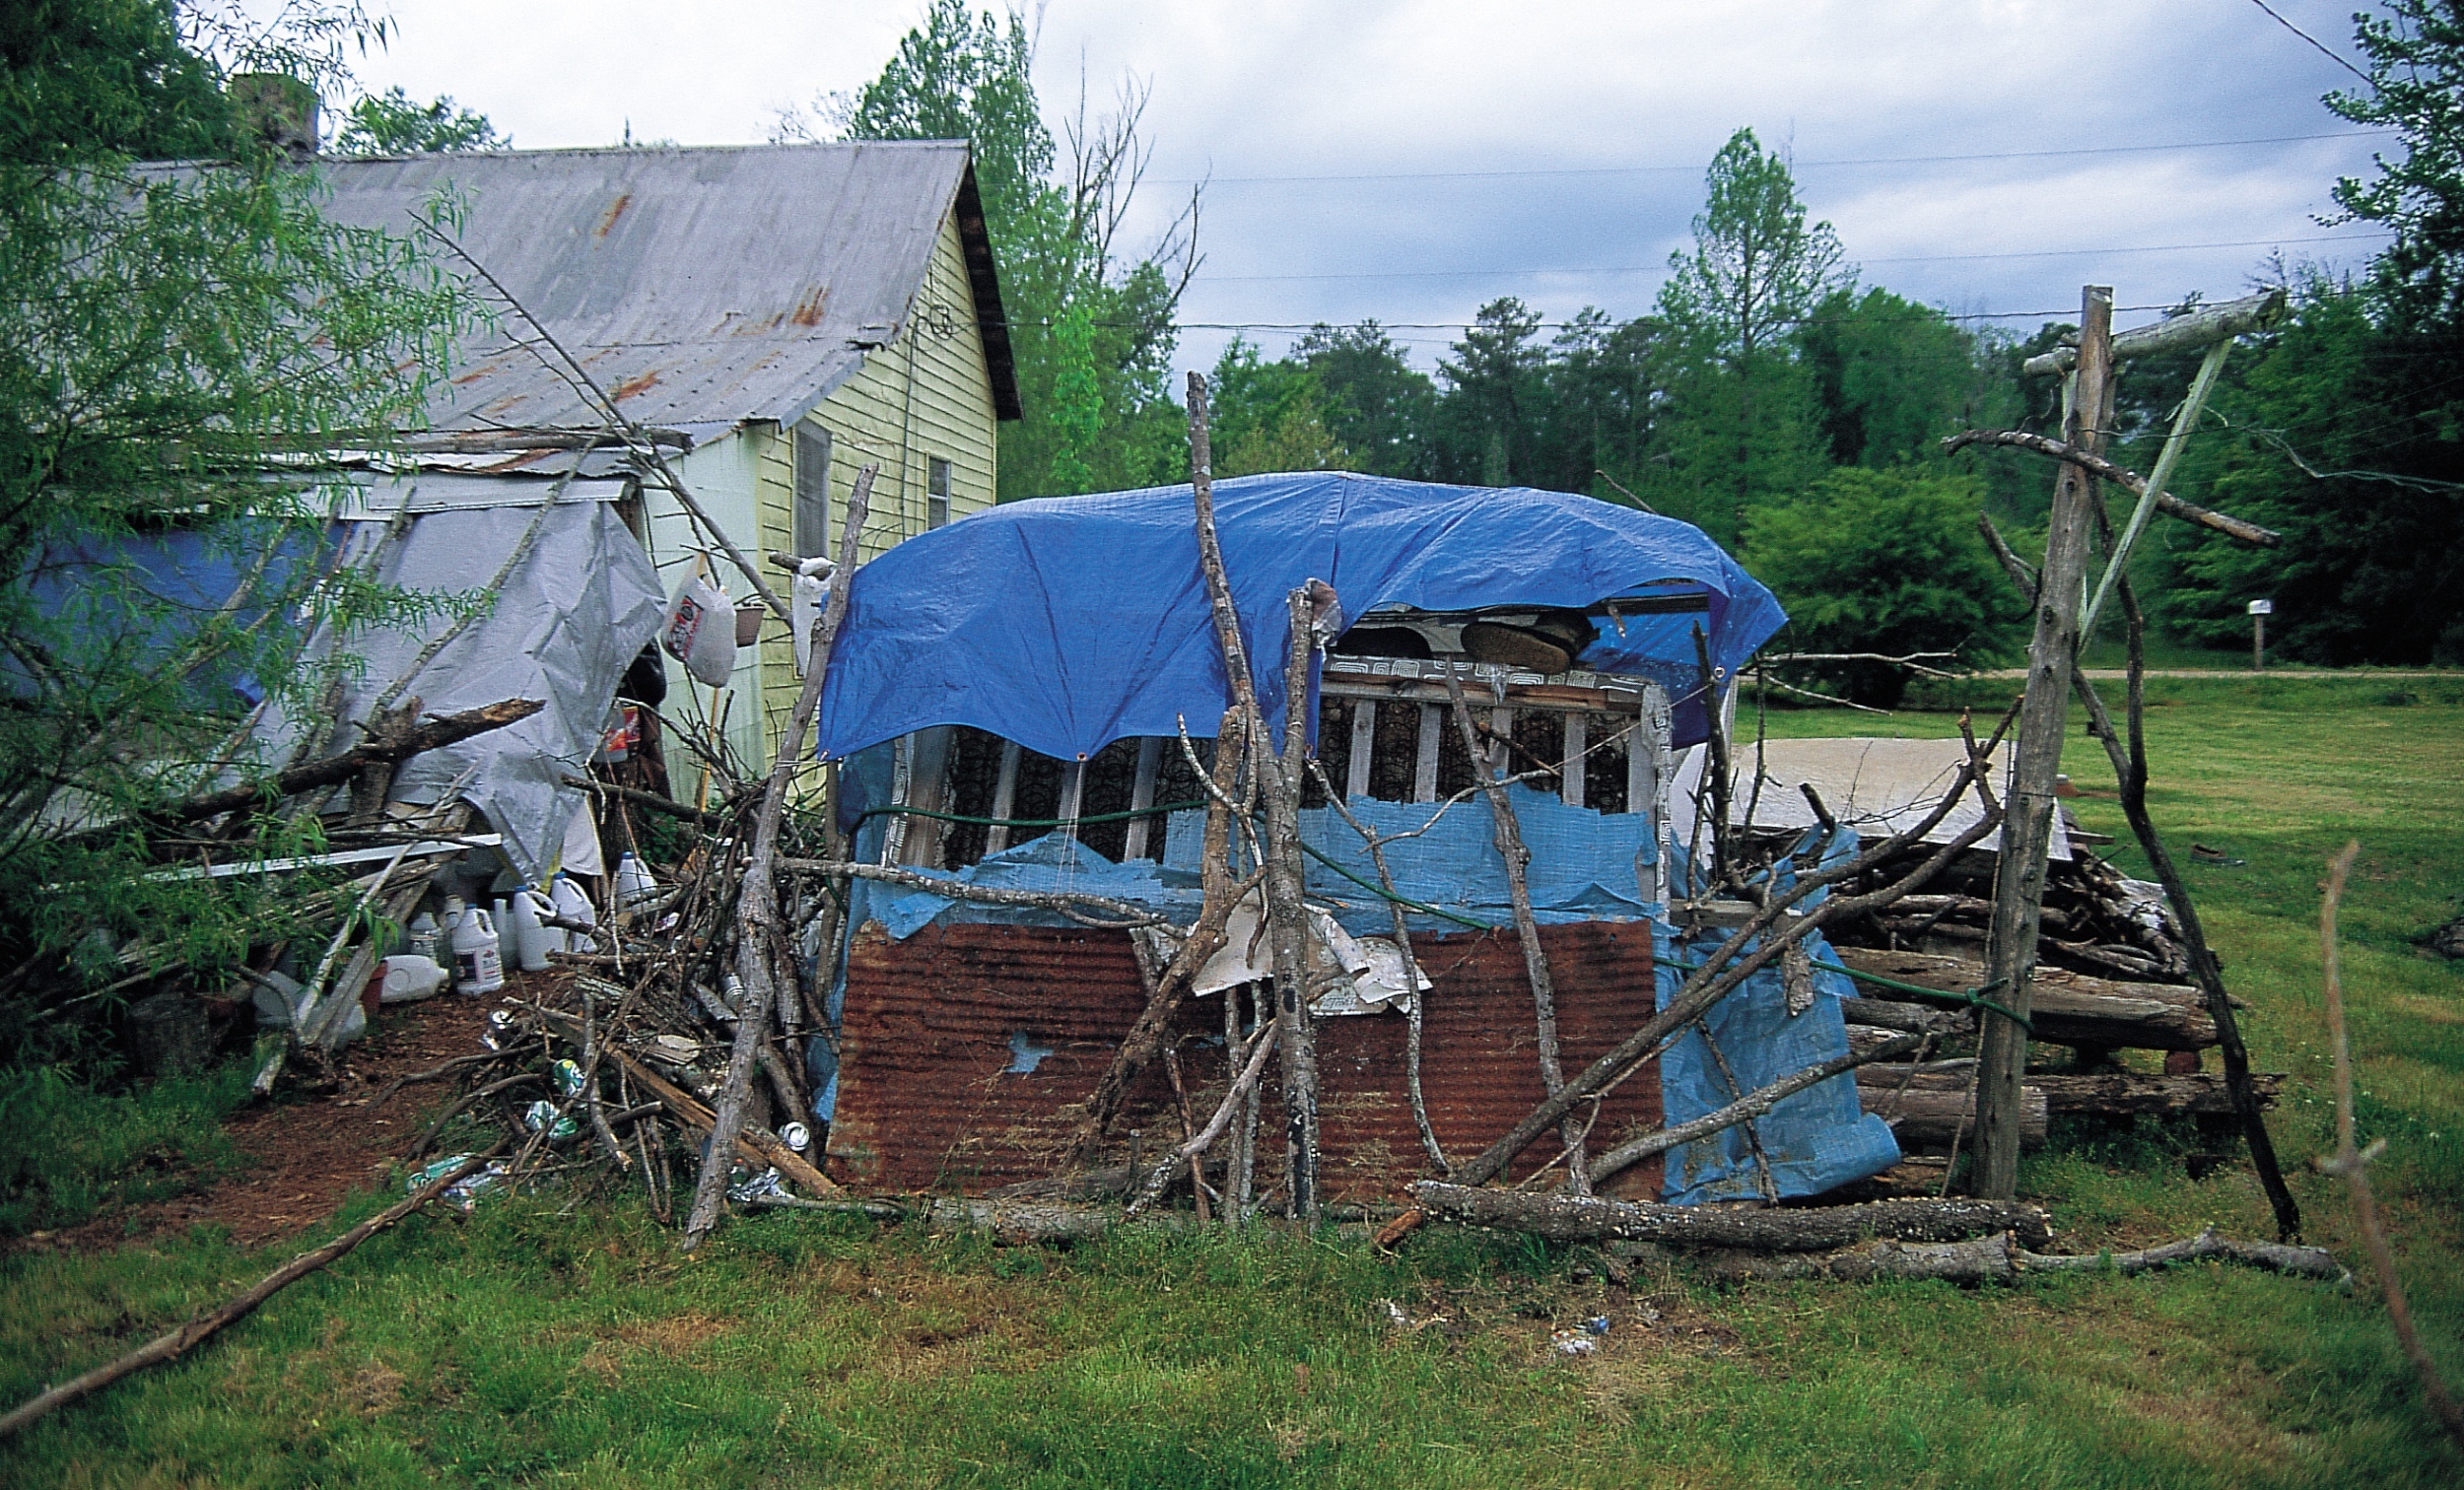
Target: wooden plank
pixel 1142 794
pixel 1364 745
pixel 1571 765
pixel 1424 764
pixel 1004 797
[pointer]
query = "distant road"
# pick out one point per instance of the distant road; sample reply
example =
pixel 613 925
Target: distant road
pixel 2116 674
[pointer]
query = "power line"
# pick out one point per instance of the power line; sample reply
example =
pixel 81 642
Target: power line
pixel 1910 258
pixel 2314 42
pixel 1696 166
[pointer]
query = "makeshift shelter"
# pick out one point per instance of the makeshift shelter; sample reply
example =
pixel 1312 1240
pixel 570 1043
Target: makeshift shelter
pixel 1074 634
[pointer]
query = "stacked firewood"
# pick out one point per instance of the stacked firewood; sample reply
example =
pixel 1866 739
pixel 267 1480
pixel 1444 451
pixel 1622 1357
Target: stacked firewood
pixel 2096 919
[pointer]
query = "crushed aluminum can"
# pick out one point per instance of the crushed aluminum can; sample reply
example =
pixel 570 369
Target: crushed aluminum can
pixel 567 1077
pixel 765 1185
pixel 1596 1325
pixel 797 1136
pixel 543 1115
pixel 462 1193
pixel 1573 1342
pixel 500 1029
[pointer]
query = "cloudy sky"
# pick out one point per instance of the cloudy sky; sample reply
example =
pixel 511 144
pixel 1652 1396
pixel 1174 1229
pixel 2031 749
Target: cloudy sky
pixel 1411 160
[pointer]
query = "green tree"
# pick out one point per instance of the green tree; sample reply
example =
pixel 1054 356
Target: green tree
pixel 1270 416
pixel 1884 562
pixel 171 339
pixel 390 123
pixel 2345 428
pixel 1893 377
pixel 1744 422
pixel 2415 50
pixel 1377 406
pixel 1495 385
pixel 1056 219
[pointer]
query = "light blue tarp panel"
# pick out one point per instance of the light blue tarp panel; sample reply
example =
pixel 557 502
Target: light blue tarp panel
pixel 1816 1139
pixel 135 602
pixel 1583 868
pixel 1071 622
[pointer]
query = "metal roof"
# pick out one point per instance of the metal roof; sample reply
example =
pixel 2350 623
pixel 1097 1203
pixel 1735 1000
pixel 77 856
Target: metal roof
pixel 702 286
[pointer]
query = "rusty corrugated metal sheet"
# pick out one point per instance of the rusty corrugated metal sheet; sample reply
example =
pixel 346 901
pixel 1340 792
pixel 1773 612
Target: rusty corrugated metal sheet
pixel 927 1100
pixel 704 286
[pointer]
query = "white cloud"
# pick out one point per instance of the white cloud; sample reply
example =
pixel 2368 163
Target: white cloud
pixel 1392 92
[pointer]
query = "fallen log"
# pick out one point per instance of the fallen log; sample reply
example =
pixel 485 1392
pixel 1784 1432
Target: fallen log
pixel 1998 1258
pixel 1911 1019
pixel 2066 1007
pixel 1592 1218
pixel 165 1348
pixel 333 768
pixel 1943 1113
pixel 2106 1093
pixel 1014 1220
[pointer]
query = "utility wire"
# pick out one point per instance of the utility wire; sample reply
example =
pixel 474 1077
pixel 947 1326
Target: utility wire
pixel 1697 166
pixel 1905 258
pixel 2314 42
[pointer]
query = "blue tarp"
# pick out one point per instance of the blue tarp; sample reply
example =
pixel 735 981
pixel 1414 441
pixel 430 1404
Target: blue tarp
pixel 1816 1139
pixel 1071 622
pixel 1584 867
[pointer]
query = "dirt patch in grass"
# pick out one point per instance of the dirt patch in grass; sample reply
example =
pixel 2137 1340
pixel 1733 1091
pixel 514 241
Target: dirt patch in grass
pixel 305 1155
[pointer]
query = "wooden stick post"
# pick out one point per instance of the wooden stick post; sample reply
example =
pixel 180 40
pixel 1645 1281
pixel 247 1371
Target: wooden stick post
pixel 1507 833
pixel 757 897
pixel 1288 922
pixel 2036 761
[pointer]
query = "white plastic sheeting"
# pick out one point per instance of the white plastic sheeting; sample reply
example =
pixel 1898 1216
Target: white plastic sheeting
pixel 562 625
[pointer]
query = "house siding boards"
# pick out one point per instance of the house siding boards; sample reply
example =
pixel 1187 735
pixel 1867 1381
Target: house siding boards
pixel 872 417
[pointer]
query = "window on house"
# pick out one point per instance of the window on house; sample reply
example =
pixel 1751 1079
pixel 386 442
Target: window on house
pixel 812 491
pixel 937 492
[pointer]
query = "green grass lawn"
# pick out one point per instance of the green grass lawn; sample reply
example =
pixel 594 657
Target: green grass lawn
pixel 542 1340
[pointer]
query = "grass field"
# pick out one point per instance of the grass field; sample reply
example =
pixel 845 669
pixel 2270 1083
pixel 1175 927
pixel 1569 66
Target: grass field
pixel 543 1341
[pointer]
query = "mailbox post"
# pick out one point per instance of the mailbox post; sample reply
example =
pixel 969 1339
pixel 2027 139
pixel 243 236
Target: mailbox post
pixel 2260 610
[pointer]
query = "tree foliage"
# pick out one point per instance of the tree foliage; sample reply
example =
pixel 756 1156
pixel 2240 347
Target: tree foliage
pixel 171 340
pixel 1083 314
pixel 1885 561
pixel 391 124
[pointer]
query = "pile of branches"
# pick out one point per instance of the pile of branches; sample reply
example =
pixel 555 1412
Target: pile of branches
pixel 2095 921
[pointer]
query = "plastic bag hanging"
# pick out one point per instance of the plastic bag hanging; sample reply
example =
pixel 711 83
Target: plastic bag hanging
pixel 701 631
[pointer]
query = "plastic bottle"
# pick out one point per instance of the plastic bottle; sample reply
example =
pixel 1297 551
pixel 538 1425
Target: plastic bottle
pixel 408 977
pixel 572 906
pixel 532 941
pixel 424 938
pixel 478 957
pixel 634 881
pixel 445 923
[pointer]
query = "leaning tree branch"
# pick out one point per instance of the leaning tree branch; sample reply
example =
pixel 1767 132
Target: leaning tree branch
pixel 333 768
pixel 165 1348
pixel 2097 465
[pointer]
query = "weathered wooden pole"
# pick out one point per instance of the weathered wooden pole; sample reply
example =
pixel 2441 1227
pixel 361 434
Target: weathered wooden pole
pixel 1287 921
pixel 757 894
pixel 2028 820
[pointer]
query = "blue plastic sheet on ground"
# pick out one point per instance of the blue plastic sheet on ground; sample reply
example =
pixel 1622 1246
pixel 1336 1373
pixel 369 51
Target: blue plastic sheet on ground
pixel 1814 1141
pixel 1071 622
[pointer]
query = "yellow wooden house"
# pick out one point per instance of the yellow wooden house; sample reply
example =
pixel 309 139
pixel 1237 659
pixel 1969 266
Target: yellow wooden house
pixel 778 315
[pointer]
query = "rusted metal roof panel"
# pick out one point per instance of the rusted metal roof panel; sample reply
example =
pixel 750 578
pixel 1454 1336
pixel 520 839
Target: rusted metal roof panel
pixel 698 286
pixel 928 1099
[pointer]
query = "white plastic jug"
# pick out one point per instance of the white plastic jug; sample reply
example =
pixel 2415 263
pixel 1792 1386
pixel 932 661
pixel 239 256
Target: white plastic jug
pixel 532 940
pixel 425 939
pixel 478 957
pixel 572 906
pixel 408 978
pixel 634 881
